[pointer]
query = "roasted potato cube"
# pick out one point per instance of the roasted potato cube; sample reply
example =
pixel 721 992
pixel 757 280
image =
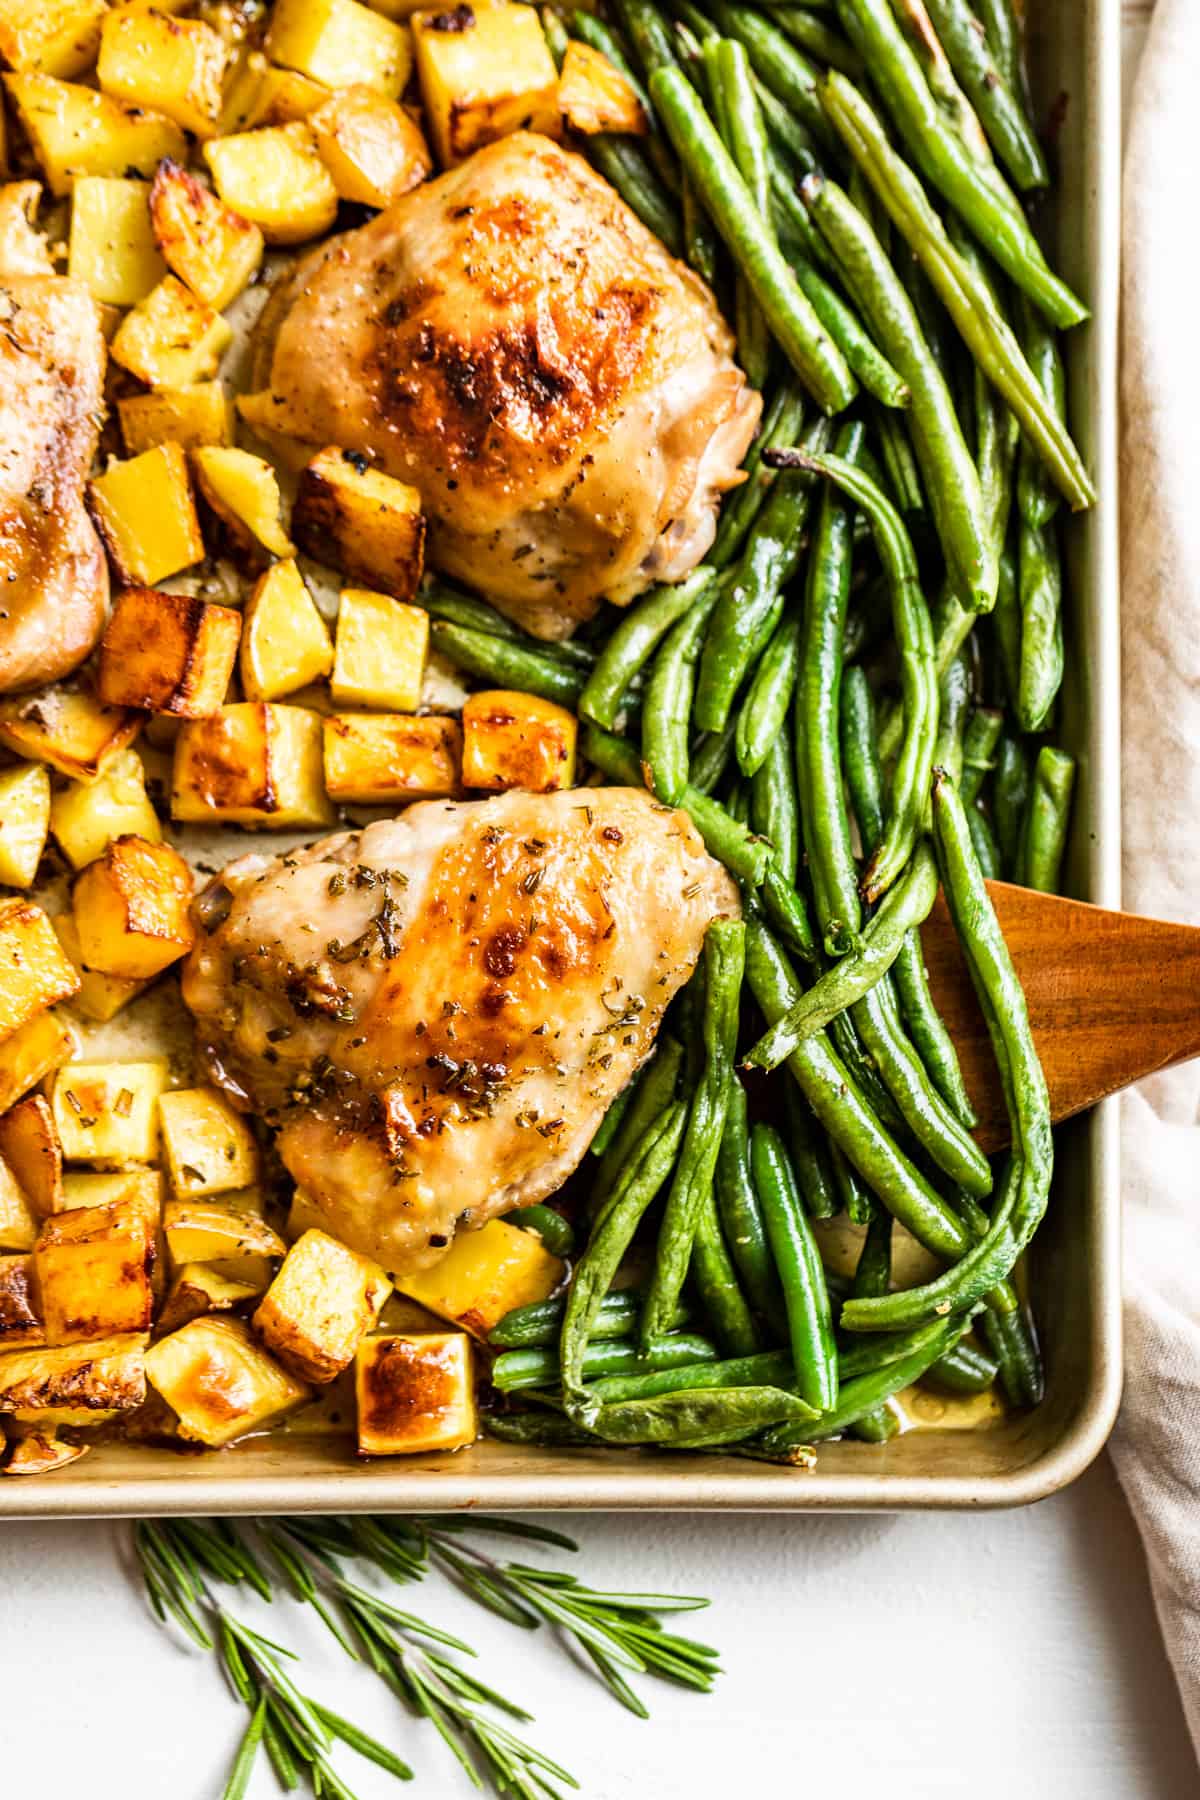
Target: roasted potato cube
pixel 51 37
pixel 243 491
pixel 415 1393
pixel 141 1188
pixel 168 653
pixel 594 95
pixel 199 1289
pixel 76 131
pixel 374 150
pixel 133 909
pixel 18 1221
pixel 24 822
pixel 372 759
pixel 107 1112
pixel 484 71
pixel 341 44
pixel 285 641
pixel 93 1272
pixel 23 248
pixel 32 1053
pixel 355 518
pixel 260 94
pixel 21 1325
pixel 112 250
pixel 213 250
pixel 144 511
pixel 323 1300
pixel 30 1147
pixel 515 740
pixel 188 416
pixel 41 1453
pixel 238 1243
pixel 171 338
pixel 219 1382
pixel 210 1148
pixel 253 764
pixel 174 66
pixel 86 816
pixel 100 996
pixel 66 726
pixel 75 1384
pixel 34 972
pixel 483 1275
pixel 379 654
pixel 276 179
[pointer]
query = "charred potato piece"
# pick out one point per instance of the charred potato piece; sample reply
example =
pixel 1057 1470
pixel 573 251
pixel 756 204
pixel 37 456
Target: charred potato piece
pixel 219 1382
pixel 76 131
pixel 75 1384
pixel 341 44
pixel 323 1300
pixel 379 652
pixel 168 653
pixel 285 641
pixel 212 249
pixel 146 516
pixel 275 179
pixel 18 1221
pixel 485 71
pixel 107 1112
pixel 201 413
pixel 514 740
pixel 34 972
pixel 209 1147
pixel 112 247
pixel 415 1394
pixel 374 150
pixel 199 1289
pixel 171 338
pixel 24 822
pixel 67 727
pixel 86 816
pixel 260 94
pixel 355 518
pixel 253 764
pixel 237 1242
pixel 372 759
pixel 32 1053
pixel 30 1146
pixel 41 1453
pixel 483 1275
pixel 93 1273
pixel 243 491
pixel 20 1320
pixel 133 909
pixel 594 95
pixel 174 66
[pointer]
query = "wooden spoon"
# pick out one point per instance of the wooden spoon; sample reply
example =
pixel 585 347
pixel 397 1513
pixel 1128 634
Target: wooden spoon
pixel 1112 997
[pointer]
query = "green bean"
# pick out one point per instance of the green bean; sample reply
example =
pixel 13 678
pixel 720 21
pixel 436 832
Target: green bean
pixel 764 711
pixel 625 167
pixel 865 1395
pixel 540 1323
pixel 557 1233
pixel 806 1299
pixel 900 463
pixel 864 778
pixel 788 136
pixel 668 704
pixel 781 67
pixel 773 807
pixel 548 1430
pixel 978 193
pixel 701 246
pixel 652 1092
pixel 813 35
pixel 784 905
pixel 730 205
pixel 724 954
pixel 716 1283
pixel 966 298
pixel 873 1271
pixel 508 664
pixel 1046 819
pixel 856 1198
pixel 710 757
pixel 1000 108
pixel 634 641
pixel 464 609
pixel 768 1368
pixel 1039 578
pixel 1007 625
pixel 781 423
pixel 1011 1340
pixel 864 357
pixel 984 840
pixel 954 701
pixel 867 1355
pixel 962 1370
pixel 1035 495
pixel 1010 797
pixel 648 33
pixel 812 1156
pixel 979 750
pixel 1004 40
pixel 592 30
pixel 610 1124
pixel 740 1208
pixel 877 1427
pixel 537 1368
pixel 693 1418
pixel 742 128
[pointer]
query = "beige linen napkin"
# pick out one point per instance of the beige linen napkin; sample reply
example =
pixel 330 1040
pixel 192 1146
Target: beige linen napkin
pixel 1157 1443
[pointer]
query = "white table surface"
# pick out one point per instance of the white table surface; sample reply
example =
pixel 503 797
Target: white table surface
pixel 1011 1655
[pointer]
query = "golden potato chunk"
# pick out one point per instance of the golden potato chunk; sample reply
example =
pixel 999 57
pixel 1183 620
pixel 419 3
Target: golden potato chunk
pixel 219 1382
pixel 51 37
pixel 18 1221
pixel 372 759
pixel 355 518
pixel 285 641
pixel 100 997
pixel 210 1148
pixel 237 1242
pixel 174 66
pixel 107 1112
pixel 276 179
pixel 23 248
pixel 24 822
pixel 253 764
pixel 415 1393
pixel 133 909
pixel 34 972
pixel 145 513
pixel 201 413
pixel 93 1273
pixel 515 740
pixel 373 148
pixel 198 1289
pixel 323 1300
pixel 485 71
pixel 76 131
pixel 112 247
pixel 32 1053
pixel 379 652
pixel 41 1453
pixel 141 1188
pixel 85 816
pixel 171 338
pixel 75 1384
pixel 341 44
pixel 30 1147
pixel 21 1325
pixel 213 250
pixel 66 726
pixel 243 491
pixel 168 653
pixel 594 95
pixel 483 1275
pixel 261 94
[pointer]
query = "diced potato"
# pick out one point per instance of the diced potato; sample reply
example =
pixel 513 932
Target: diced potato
pixel 213 250
pixel 140 1188
pixel 18 1221
pixel 323 1300
pixel 210 1148
pixel 133 909
pixel 374 149
pixel 23 248
pixel 594 95
pixel 172 65
pixel 483 1275
pixel 253 764
pixel 168 653
pixel 171 338
pixel 107 1112
pixel 145 513
pixel 219 1382
pixel 24 822
pixel 515 740
pixel 76 131
pixel 112 250
pixel 75 1384
pixel 33 1053
pixel 276 179
pixel 379 657
pixel 21 1325
pixel 485 71
pixel 67 727
pixel 243 491
pixel 41 1453
pixel 100 997
pixel 52 37
pixel 199 1289
pixel 261 413
pixel 238 1243
pixel 188 416
pixel 29 1146
pixel 372 759
pixel 285 641
pixel 86 816
pixel 341 44
pixel 34 972
pixel 260 94
pixel 355 518
pixel 415 1393
pixel 93 1273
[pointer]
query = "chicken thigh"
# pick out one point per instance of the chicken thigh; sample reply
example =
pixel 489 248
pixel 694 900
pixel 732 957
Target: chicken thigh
pixel 511 340
pixel 53 575
pixel 436 1012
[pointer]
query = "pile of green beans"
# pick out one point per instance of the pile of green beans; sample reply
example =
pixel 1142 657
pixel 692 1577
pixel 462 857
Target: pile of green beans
pixel 854 697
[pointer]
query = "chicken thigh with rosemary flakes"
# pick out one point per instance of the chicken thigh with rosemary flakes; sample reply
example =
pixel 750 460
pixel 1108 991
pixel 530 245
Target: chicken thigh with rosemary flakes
pixel 436 1012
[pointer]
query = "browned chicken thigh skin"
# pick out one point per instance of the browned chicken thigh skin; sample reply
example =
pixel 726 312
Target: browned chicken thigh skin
pixel 510 339
pixel 53 576
pixel 437 1012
